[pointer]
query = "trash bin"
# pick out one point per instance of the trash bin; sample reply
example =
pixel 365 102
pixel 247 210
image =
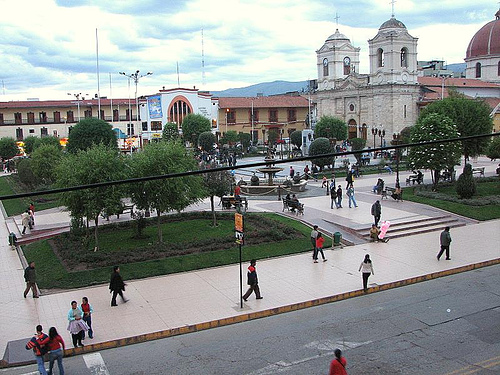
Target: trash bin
pixel 12 239
pixel 337 236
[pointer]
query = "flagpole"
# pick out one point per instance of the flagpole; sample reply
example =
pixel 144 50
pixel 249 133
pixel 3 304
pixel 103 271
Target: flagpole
pixel 98 85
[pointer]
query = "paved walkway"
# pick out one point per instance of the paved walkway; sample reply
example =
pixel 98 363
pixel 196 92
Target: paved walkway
pixel 180 300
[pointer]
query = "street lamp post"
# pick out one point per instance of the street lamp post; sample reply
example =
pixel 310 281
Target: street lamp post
pixel 374 133
pixel 396 140
pixel 136 76
pixel 78 98
pixel 381 134
pixel 227 111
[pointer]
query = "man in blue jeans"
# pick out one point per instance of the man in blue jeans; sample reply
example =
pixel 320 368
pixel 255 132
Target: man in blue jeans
pixel 37 343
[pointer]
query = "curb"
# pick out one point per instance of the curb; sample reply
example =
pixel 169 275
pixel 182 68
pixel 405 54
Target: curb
pixel 263 314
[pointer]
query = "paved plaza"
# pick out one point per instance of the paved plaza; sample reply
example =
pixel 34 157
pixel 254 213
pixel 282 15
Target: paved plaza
pixel 175 301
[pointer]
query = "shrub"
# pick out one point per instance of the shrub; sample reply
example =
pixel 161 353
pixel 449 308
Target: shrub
pixel 466 185
pixel 296 138
pixel 25 173
pixel 321 146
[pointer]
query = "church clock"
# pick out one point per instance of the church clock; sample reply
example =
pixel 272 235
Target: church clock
pixel 347 61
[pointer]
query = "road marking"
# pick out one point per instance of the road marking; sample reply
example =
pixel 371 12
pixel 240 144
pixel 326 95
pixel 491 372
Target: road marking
pixel 476 367
pixel 95 364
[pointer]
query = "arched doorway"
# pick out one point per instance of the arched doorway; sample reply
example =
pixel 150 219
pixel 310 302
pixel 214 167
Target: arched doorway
pixel 364 132
pixel 352 128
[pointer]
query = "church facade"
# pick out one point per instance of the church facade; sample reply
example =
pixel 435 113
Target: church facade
pixel 377 105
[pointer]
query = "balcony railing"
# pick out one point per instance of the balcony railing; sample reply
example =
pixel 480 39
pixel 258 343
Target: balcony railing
pixel 50 120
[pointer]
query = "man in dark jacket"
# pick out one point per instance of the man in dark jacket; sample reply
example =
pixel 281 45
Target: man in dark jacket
pixel 376 212
pixel 38 343
pixel 445 240
pixel 116 286
pixel 253 281
pixel 30 278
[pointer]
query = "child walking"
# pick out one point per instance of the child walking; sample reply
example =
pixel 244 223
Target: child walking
pixel 87 316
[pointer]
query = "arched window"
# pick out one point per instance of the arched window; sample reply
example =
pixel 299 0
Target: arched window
pixel 380 57
pixel 325 67
pixel 478 70
pixel 352 128
pixel 347 65
pixel 404 57
pixel 178 110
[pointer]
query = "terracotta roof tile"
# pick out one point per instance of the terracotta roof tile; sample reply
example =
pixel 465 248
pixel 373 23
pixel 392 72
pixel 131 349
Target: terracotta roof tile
pixel 458 82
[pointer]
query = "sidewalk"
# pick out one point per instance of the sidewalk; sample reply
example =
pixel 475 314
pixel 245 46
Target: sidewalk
pixel 182 301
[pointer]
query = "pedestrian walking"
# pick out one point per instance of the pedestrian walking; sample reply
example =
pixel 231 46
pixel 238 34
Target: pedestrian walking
pixel 76 324
pixel 87 316
pixel 366 268
pixel 349 179
pixel 376 212
pixel 445 240
pixel 337 366
pixel 32 212
pixel 333 198
pixel 56 350
pixel 350 194
pixel 339 197
pixel 25 221
pixel 30 278
pixel 324 183
pixel 314 235
pixel 39 345
pixel 252 281
pixel 117 286
pixel 292 172
pixel 319 248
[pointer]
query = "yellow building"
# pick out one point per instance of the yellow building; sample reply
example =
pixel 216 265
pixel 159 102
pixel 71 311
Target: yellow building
pixel 259 115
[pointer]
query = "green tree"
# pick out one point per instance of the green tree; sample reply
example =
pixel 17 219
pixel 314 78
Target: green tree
pixel 466 185
pixel 25 173
pixel 44 161
pixel 206 141
pixel 272 136
pixel 245 139
pixel 331 127
pixel 8 148
pixel 193 125
pixel 229 138
pixel 164 195
pixel 435 157
pixel 358 144
pixel 97 164
pixel 170 132
pixel 493 149
pixel 405 135
pixel 321 146
pixel 53 141
pixel 296 138
pixel 471 116
pixel 217 184
pixel 29 144
pixel 89 132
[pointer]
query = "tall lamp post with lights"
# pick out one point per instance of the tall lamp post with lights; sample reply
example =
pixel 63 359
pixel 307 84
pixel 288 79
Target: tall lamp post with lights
pixel 136 76
pixel 396 140
pixel 380 133
pixel 78 98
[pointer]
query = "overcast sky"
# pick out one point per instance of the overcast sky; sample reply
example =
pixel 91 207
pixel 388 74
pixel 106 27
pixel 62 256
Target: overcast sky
pixel 48 47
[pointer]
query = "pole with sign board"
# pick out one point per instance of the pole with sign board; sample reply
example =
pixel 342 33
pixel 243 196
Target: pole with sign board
pixel 238 232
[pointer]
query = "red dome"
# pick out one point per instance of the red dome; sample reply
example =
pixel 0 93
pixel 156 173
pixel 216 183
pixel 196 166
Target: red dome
pixel 486 41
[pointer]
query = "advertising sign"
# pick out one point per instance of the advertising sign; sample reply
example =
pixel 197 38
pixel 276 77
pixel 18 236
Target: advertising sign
pixel 154 105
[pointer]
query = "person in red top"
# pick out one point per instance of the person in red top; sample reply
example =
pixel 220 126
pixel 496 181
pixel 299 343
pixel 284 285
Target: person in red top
pixel 37 343
pixel 253 281
pixel 87 316
pixel 319 248
pixel 337 366
pixel 237 190
pixel 56 347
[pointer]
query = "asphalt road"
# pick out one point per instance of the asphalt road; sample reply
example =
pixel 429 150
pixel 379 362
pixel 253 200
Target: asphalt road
pixel 448 326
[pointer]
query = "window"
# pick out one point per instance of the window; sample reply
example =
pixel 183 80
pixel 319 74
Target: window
pixel 499 68
pixel 31 117
pixel 380 57
pixel 231 117
pixel 19 134
pixel 1 118
pixel 44 132
pixel 144 126
pixel 130 129
pixel 31 131
pixel 57 117
pixel 70 116
pixel 255 115
pixel 404 111
pixel 156 125
pixel 116 116
pixel 102 114
pixel 353 129
pixel 43 117
pixel 292 115
pixel 325 67
pixel 273 115
pixel 255 135
pixel 18 119
pixel 351 107
pixel 347 65
pixel 478 70
pixel 178 110
pixel 54 133
pixel 404 57
pixel 88 113
pixel 69 129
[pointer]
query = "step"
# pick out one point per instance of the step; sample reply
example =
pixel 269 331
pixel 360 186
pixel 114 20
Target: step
pixel 426 230
pixel 40 236
pixel 410 226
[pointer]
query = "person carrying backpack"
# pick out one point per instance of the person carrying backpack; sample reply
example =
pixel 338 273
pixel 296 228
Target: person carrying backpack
pixel 39 345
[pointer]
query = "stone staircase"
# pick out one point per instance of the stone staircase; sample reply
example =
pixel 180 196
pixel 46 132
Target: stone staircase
pixel 410 227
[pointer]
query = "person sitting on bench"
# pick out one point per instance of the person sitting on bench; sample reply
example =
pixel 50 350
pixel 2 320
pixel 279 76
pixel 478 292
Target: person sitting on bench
pixel 293 203
pixel 396 194
pixel 379 187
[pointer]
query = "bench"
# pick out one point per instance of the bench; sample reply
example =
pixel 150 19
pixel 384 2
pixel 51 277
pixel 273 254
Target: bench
pixel 386 168
pixel 389 191
pixel 230 201
pixel 128 207
pixel 478 170
pixel 293 206
pixel 414 178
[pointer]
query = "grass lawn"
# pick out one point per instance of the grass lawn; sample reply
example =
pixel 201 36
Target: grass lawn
pixel 117 243
pixel 481 213
pixel 10 185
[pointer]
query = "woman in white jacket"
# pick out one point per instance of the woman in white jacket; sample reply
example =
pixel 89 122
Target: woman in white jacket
pixel 366 268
